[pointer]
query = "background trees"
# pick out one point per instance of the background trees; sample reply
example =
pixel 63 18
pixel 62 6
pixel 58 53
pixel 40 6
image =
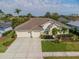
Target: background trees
pixel 2 14
pixel 1 11
pixel 55 16
pixel 29 15
pixel 47 15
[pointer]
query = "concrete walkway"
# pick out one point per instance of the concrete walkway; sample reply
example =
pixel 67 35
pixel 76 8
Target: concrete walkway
pixel 24 48
pixel 49 54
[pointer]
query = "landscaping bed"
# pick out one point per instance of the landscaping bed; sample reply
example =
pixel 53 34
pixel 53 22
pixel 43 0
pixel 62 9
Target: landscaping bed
pixel 61 58
pixel 49 46
pixel 7 40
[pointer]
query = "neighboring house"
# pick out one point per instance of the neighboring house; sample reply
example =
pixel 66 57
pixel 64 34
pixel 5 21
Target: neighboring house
pixel 74 25
pixel 4 27
pixel 63 20
pixel 37 26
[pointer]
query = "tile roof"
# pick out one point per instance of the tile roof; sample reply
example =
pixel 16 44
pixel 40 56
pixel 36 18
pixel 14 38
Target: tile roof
pixel 33 24
pixel 74 23
pixel 4 25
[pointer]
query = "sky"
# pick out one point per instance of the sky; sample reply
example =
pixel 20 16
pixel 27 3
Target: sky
pixel 40 7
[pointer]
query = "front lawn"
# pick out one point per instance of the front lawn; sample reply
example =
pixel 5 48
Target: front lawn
pixel 6 41
pixel 48 46
pixel 61 58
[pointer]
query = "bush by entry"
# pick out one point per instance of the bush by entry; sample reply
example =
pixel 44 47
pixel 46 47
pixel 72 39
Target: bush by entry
pixel 7 40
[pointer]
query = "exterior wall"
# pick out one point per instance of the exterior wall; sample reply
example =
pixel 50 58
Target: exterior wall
pixel 35 34
pixel 22 34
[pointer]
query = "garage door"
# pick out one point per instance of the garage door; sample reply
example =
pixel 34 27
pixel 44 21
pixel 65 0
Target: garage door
pixel 22 34
pixel 28 34
pixel 35 34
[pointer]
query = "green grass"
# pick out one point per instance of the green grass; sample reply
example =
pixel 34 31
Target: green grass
pixel 2 48
pixel 56 47
pixel 61 58
pixel 6 41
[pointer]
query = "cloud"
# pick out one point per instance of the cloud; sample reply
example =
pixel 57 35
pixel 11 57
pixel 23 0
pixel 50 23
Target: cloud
pixel 41 6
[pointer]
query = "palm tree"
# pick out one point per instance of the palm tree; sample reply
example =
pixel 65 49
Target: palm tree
pixel 64 30
pixel 17 11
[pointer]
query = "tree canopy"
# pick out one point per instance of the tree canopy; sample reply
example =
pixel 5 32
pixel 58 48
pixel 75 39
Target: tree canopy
pixel 47 15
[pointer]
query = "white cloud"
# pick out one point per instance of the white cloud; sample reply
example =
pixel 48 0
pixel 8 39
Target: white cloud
pixel 39 5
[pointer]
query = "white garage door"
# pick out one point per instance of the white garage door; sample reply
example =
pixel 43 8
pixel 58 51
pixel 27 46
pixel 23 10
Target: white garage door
pixel 35 34
pixel 22 34
pixel 27 34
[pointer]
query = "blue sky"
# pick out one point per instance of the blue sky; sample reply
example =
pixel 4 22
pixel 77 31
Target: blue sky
pixel 39 7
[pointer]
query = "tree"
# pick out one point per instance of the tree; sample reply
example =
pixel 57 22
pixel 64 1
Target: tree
pixel 2 14
pixel 55 16
pixel 1 11
pixel 17 11
pixel 64 30
pixel 54 31
pixel 29 15
pixel 48 15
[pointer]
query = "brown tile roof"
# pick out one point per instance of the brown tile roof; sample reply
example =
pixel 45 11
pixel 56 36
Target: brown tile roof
pixel 34 24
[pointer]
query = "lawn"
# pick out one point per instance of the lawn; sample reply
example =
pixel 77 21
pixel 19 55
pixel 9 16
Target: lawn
pixel 48 46
pixel 61 58
pixel 6 41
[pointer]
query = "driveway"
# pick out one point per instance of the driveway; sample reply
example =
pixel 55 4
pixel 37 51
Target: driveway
pixel 24 48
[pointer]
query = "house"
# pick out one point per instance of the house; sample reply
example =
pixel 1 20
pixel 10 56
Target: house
pixel 74 25
pixel 63 20
pixel 37 26
pixel 4 27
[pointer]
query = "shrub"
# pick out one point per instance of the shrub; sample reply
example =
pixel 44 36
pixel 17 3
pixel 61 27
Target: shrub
pixel 46 37
pixel 2 48
pixel 4 34
pixel 7 42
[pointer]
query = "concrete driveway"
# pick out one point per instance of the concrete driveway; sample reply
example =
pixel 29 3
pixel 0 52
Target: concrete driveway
pixel 24 48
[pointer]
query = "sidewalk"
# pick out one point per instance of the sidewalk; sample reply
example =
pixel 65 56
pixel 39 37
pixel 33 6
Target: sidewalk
pixel 49 54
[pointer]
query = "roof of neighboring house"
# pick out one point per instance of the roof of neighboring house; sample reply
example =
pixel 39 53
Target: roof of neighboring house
pixel 34 24
pixel 4 24
pixel 74 23
pixel 63 20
